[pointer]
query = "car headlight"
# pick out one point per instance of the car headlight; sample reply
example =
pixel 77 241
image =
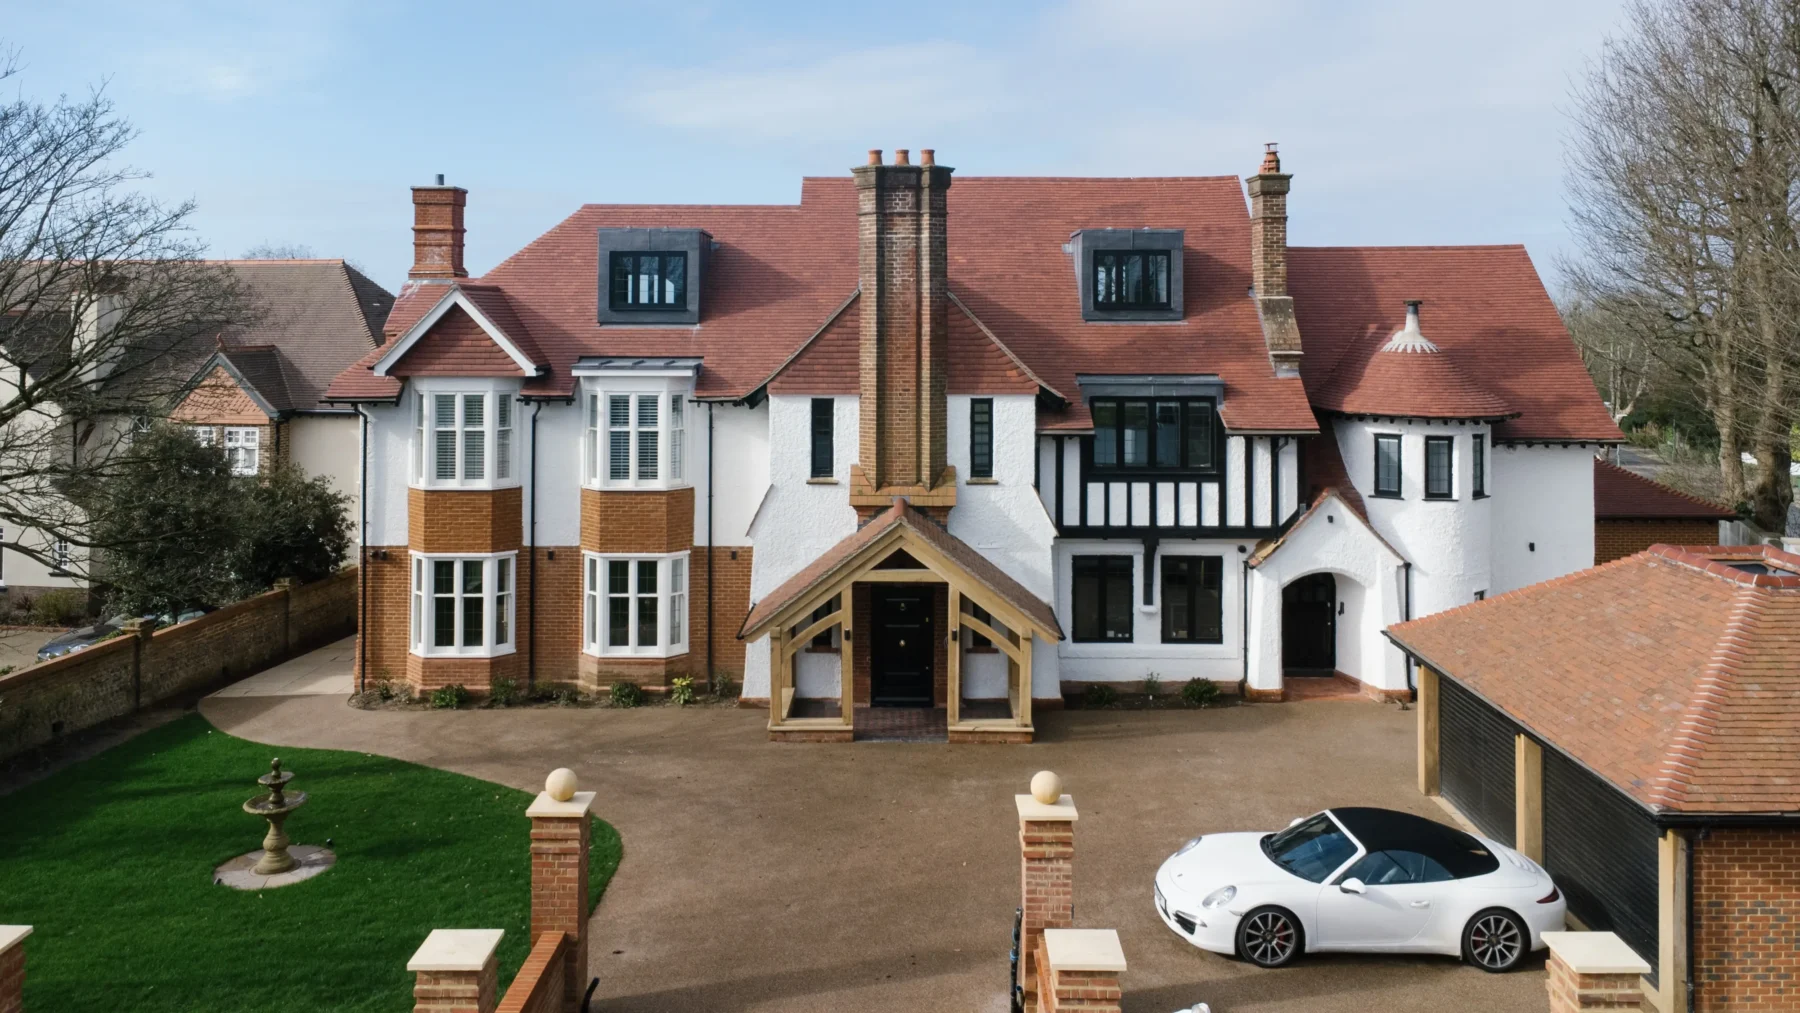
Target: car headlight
pixel 1219 897
pixel 1185 848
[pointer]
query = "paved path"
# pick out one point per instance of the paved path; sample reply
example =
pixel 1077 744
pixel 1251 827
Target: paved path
pixel 327 671
pixel 883 876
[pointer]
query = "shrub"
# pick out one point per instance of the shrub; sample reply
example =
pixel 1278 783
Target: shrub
pixel 1099 694
pixel 1200 692
pixel 61 607
pixel 384 688
pixel 449 697
pixel 723 688
pixel 682 691
pixel 503 692
pixel 1152 686
pixel 6 670
pixel 626 694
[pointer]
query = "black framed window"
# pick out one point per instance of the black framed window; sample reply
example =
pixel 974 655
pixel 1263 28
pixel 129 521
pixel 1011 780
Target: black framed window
pixel 1478 464
pixel 1439 480
pixel 821 437
pixel 1132 279
pixel 981 437
pixel 1387 465
pixel 1193 605
pixel 1155 435
pixel 1102 599
pixel 649 281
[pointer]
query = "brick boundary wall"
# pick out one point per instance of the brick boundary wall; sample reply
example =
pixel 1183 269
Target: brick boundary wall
pixel 12 978
pixel 1746 943
pixel 540 985
pixel 1616 539
pixel 45 701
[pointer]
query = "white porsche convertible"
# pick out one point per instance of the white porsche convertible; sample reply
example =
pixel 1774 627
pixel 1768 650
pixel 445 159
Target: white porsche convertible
pixel 1364 879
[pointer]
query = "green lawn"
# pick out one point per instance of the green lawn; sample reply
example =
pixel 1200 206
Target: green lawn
pixel 112 861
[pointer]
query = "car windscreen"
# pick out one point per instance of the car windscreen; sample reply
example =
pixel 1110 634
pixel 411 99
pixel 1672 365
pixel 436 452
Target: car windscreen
pixel 1311 849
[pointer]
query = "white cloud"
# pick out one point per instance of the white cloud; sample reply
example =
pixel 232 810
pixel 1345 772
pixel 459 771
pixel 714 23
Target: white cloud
pixel 234 53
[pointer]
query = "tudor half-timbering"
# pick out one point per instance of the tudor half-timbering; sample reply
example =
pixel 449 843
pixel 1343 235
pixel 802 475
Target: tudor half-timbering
pixel 914 445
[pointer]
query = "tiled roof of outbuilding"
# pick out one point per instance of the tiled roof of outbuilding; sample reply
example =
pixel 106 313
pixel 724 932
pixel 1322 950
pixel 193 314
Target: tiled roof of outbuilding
pixel 1672 673
pixel 1625 495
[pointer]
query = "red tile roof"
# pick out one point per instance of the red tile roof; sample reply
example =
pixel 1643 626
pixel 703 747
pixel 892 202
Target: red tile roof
pixel 1372 379
pixel 778 273
pixel 1623 495
pixel 1484 306
pixel 1671 673
pixel 455 346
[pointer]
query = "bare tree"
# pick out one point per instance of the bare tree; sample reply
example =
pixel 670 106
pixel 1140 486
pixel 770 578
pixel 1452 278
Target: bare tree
pixel 1617 341
pixel 1684 171
pixel 279 251
pixel 105 308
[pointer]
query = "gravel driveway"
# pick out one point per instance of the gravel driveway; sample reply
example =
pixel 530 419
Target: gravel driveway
pixel 880 876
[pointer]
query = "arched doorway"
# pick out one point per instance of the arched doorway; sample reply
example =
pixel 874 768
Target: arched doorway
pixel 1309 626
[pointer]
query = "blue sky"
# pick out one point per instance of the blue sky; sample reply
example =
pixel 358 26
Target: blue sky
pixel 304 123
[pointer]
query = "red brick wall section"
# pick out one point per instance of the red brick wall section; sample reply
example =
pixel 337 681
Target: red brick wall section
pixel 12 979
pixel 1571 992
pixel 1618 539
pixel 625 521
pixel 456 991
pixel 558 615
pixel 384 617
pixel 541 983
pixel 442 520
pixel 559 890
pixel 1746 942
pixel 731 603
pixel 1046 886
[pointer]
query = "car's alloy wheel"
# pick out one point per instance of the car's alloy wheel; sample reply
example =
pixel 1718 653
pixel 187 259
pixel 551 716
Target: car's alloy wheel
pixel 1494 941
pixel 1268 937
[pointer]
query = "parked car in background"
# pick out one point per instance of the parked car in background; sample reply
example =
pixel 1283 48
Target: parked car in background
pixel 88 636
pixel 1358 879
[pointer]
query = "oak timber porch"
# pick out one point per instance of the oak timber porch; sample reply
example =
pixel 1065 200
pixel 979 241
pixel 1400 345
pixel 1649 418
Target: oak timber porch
pixel 901 556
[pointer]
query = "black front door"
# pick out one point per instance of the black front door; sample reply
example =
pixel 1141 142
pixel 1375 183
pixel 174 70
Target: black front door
pixel 1309 625
pixel 900 651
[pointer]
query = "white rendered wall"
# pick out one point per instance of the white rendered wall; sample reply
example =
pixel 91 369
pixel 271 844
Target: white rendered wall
pixel 1369 586
pixel 1543 501
pixel 329 445
pixel 798 518
pixel 561 433
pixel 740 453
pixel 390 456
pixel 1004 520
pixel 1146 654
pixel 1447 540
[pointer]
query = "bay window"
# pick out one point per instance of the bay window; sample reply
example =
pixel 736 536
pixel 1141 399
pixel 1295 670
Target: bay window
pixel 635 605
pixel 463 438
pixel 463 605
pixel 635 440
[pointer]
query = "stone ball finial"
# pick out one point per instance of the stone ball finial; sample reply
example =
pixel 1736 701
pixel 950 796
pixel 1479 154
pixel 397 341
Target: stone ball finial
pixel 560 785
pixel 1046 787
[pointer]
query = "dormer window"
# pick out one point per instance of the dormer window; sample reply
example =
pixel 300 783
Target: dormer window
pixel 1131 280
pixel 649 281
pixel 1128 274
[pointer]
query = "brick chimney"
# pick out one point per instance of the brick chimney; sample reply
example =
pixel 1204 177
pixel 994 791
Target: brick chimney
pixel 902 254
pixel 438 231
pixel 1268 263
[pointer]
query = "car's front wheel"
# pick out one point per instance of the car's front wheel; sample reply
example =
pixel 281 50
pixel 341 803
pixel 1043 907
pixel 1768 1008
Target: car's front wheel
pixel 1495 940
pixel 1269 937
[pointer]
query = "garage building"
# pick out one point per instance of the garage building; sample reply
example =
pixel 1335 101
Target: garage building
pixel 1635 727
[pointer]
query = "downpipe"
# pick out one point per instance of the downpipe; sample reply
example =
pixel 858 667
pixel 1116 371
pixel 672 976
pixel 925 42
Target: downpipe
pixel 362 555
pixel 531 590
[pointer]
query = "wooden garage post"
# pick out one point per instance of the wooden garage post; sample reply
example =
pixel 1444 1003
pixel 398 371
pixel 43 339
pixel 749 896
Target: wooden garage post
pixel 1428 731
pixel 1673 897
pixel 846 663
pixel 1024 714
pixel 953 650
pixel 778 661
pixel 1528 797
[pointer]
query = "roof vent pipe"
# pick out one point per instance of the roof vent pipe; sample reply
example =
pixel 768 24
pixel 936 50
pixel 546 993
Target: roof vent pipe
pixel 440 181
pixel 1409 338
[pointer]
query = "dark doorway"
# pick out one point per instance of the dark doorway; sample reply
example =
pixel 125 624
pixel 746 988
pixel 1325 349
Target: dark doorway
pixel 900 651
pixel 1309 625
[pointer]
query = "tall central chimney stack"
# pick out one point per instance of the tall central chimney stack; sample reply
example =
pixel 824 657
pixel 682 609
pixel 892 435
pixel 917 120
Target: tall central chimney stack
pixel 438 231
pixel 1268 263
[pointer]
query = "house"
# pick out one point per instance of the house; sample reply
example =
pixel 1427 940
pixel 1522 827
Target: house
pixel 970 446
pixel 1632 513
pixel 255 389
pixel 1633 727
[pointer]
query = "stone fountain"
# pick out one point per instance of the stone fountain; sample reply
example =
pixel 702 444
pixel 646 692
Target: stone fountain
pixel 280 861
pixel 275 807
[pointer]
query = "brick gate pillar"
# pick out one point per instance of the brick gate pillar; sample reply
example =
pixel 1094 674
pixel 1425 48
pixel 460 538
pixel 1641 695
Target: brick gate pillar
pixel 560 832
pixel 12 967
pixel 457 971
pixel 1594 971
pixel 1046 870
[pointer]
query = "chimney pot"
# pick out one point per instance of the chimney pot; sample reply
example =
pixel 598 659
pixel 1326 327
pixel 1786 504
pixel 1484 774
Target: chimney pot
pixel 1271 158
pixel 874 156
pixel 927 156
pixel 902 156
pixel 440 181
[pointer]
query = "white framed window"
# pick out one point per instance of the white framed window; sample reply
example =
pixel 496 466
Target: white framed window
pixel 463 605
pixel 243 448
pixel 59 556
pixel 463 439
pixel 635 605
pixel 206 436
pixel 635 439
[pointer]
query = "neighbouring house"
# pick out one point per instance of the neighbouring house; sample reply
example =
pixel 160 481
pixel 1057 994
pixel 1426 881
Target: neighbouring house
pixel 1634 728
pixel 967 447
pixel 257 391
pixel 1632 513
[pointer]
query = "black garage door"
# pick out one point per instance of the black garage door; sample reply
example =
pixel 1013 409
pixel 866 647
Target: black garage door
pixel 1601 848
pixel 1475 760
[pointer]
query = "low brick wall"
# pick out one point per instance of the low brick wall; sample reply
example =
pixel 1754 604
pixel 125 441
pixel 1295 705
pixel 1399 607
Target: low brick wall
pixel 539 986
pixel 110 680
